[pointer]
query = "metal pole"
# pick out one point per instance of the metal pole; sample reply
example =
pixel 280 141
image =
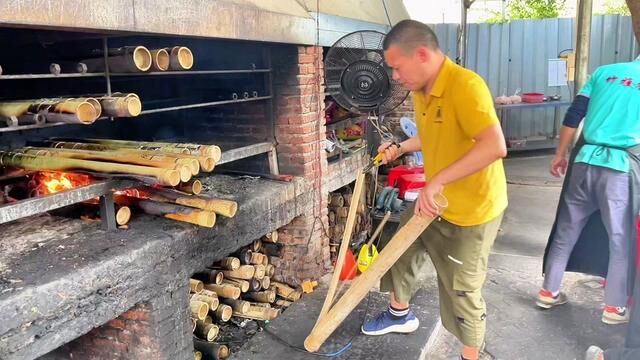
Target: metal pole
pixel 464 26
pixel 583 33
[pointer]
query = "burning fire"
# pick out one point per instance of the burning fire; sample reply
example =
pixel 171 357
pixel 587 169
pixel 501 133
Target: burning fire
pixel 44 183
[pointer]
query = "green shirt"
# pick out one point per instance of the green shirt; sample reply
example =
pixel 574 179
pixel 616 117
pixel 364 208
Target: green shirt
pixel 613 116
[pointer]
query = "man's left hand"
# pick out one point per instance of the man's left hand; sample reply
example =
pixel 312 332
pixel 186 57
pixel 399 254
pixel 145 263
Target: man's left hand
pixel 426 204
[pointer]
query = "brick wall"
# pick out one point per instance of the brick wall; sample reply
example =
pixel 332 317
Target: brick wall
pixel 300 133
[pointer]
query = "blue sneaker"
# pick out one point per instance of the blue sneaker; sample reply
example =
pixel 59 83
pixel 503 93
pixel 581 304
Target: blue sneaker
pixel 385 323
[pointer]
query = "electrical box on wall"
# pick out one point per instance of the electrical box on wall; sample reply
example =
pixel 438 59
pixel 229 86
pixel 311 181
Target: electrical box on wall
pixel 557 72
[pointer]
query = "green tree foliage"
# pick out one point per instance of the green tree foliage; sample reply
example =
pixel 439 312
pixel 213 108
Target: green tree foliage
pixel 529 9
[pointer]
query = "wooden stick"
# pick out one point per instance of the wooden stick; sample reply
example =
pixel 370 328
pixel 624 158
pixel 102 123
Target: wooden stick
pixel 261 296
pixel 242 284
pixel 199 309
pixel 224 312
pixel 237 305
pixel 230 263
pixel 37 162
pixel 193 187
pixel 126 59
pixel 196 286
pixel 224 290
pixel 210 276
pixel 285 291
pixel 181 58
pixel 259 272
pixel 400 242
pixel 207 332
pixel 344 246
pixel 160 58
pixel 213 302
pixel 244 272
pixel 169 211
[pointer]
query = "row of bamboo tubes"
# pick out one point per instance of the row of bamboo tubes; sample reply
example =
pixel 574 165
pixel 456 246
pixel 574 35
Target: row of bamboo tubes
pixel 239 286
pixel 140 59
pixel 77 110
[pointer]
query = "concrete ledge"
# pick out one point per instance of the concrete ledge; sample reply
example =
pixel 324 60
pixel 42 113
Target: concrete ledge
pixel 343 172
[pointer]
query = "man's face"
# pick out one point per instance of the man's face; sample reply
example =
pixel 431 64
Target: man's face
pixel 408 68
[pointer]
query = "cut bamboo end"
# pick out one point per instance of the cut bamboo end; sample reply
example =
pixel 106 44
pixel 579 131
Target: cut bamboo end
pixel 86 113
pixel 272 237
pixel 257 258
pixel 193 164
pixel 242 284
pixel 224 313
pixel 142 58
pixel 208 293
pixel 244 272
pixel 96 105
pixel 256 285
pixel 270 270
pixel 185 173
pixel 267 296
pixel 223 352
pixel 181 58
pixel 197 355
pixel 237 305
pixel 260 272
pixel 224 290
pixel 196 217
pixel 134 106
pixel 207 164
pixel 213 302
pixel 196 286
pixel 285 291
pixel 199 309
pixel 225 208
pixel 193 186
pixel 169 177
pixel 266 282
pixel 160 58
pixel 206 331
pixel 123 215
pixel 230 263
pixel 256 245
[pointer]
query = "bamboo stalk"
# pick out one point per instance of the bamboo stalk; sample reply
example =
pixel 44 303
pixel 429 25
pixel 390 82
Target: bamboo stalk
pixel 212 151
pixel 199 309
pixel 265 262
pixel 121 106
pixel 224 312
pixel 213 302
pixel 224 290
pixel 169 211
pixel 245 256
pixel 126 59
pixel 259 272
pixel 207 332
pixel 211 351
pixel 78 112
pixel 285 291
pixel 272 237
pixel 257 258
pixel 93 101
pixel 230 263
pixel 181 58
pixel 210 276
pixel 237 305
pixel 225 208
pixel 266 282
pixel 244 272
pixel 160 59
pixel 193 186
pixel 33 162
pixel 242 284
pixel 267 296
pixel 196 286
pixel 256 285
pixel 258 313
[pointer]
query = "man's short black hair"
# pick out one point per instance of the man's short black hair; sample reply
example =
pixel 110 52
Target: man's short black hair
pixel 410 34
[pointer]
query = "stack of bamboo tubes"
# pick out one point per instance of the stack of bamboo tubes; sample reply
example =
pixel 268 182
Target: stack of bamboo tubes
pixel 71 110
pixel 339 203
pixel 131 59
pixel 243 288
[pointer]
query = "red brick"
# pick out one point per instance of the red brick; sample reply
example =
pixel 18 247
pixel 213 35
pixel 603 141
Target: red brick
pixel 306 58
pixel 116 324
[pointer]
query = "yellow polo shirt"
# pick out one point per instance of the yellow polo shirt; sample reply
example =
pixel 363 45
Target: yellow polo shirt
pixel 458 109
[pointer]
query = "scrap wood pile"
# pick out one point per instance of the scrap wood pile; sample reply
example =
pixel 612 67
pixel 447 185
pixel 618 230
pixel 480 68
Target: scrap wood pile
pixel 236 290
pixel 339 202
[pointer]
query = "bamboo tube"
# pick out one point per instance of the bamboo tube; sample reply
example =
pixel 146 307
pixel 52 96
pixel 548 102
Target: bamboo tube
pixel 285 291
pixel 230 263
pixel 196 286
pixel 208 320
pixel 256 285
pixel 169 211
pixel 225 208
pixel 78 112
pixel 213 302
pixel 160 59
pixel 283 303
pixel 181 58
pixel 121 106
pixel 260 304
pixel 208 293
pixel 184 170
pixel 199 309
pixel 211 351
pixel 336 200
pixel 224 290
pixel 193 186
pixel 197 355
pixel 347 199
pixel 245 256
pixel 244 272
pixel 123 215
pixel 270 270
pixel 212 151
pixel 272 237
pixel 224 312
pixel 258 313
pixel 256 245
pixel 265 282
pixel 210 276
pixel 242 284
pixel 207 332
pixel 126 59
pixel 267 296
pixel 237 305
pixel 257 258
pixel 93 101
pixel 32 162
pixel 259 272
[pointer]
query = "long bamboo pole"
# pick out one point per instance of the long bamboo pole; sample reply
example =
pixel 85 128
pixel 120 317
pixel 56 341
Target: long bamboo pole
pixel 37 162
pixel 125 59
pixel 222 207
pixel 76 111
pixel 194 149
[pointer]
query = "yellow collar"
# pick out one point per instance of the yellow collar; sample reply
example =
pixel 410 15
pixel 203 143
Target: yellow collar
pixel 443 78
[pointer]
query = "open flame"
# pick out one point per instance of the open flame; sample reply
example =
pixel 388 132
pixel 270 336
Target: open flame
pixel 44 183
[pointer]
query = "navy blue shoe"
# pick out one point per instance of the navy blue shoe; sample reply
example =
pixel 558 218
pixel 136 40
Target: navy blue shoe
pixel 385 323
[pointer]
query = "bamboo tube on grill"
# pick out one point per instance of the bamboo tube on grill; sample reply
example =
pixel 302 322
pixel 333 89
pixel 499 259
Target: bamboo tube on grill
pixel 196 286
pixel 237 305
pixel 267 296
pixel 213 302
pixel 76 112
pixel 160 59
pixel 211 351
pixel 181 58
pixel 260 272
pixel 193 186
pixel 225 208
pixel 32 162
pixel 244 272
pixel 242 284
pixel 224 313
pixel 265 282
pixel 184 170
pixel 207 332
pixel 210 276
pixel 126 59
pixel 230 263
pixel 224 290
pixel 93 101
pixel 193 149
pixel 169 211
pixel 199 309
pixel 130 106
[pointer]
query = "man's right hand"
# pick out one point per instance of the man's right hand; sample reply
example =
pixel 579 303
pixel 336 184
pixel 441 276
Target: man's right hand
pixel 559 166
pixel 391 152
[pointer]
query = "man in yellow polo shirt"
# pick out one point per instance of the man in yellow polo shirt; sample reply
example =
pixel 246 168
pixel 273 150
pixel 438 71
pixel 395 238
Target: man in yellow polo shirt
pixel 462 144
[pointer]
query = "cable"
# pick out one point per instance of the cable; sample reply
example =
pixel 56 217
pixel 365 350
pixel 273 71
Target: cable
pixel 384 5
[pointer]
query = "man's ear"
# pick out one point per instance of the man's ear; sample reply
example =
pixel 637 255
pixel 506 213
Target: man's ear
pixel 423 54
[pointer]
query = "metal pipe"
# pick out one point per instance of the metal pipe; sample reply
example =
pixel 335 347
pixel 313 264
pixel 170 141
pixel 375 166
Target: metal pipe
pixel 462 41
pixel 194 106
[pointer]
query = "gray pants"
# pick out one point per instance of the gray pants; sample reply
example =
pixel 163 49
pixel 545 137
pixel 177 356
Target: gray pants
pixel 593 188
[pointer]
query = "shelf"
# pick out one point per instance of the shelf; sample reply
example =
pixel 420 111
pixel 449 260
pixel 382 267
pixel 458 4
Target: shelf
pixel 200 105
pixel 533 105
pixel 154 73
pixel 341 124
pixel 245 152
